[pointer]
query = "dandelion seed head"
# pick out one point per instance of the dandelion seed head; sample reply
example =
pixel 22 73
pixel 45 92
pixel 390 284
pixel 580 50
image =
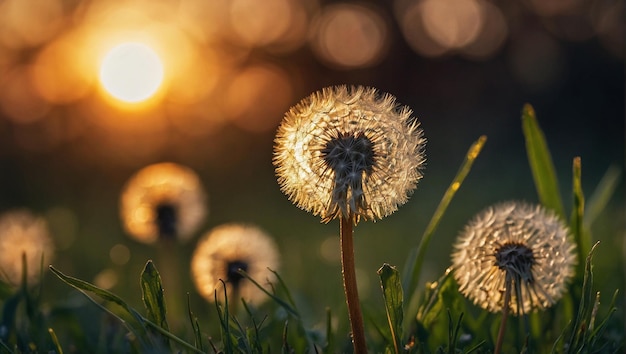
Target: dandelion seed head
pixel 527 242
pixel 163 200
pixel 349 151
pixel 226 249
pixel 22 233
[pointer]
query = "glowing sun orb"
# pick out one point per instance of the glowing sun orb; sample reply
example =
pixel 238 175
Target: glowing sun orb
pixel 131 72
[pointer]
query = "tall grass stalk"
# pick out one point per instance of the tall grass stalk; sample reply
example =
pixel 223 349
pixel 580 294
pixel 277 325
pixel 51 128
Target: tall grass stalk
pixel 413 267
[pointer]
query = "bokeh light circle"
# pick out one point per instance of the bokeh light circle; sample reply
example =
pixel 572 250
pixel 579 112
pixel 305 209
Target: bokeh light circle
pixel 350 36
pixel 452 23
pixel 131 72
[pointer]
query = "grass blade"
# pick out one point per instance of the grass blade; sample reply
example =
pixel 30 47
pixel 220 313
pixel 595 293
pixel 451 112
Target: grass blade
pixel 278 300
pixel 414 266
pixel 195 325
pixel 171 336
pixel 6 347
pixel 393 296
pixel 330 336
pixel 55 340
pixel 284 288
pixel 137 324
pixel 84 287
pixel 601 195
pixel 597 332
pixel 152 295
pixel 453 332
pixel 253 335
pixel 582 238
pixel 541 163
pixel 579 325
pixel 286 348
pixel 228 339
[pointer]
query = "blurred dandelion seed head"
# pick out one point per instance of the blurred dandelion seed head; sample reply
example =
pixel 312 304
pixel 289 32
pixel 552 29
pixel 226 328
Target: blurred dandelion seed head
pixel 527 242
pixel 161 201
pixel 223 251
pixel 349 151
pixel 23 233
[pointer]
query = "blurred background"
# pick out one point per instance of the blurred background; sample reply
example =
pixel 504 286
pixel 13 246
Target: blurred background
pixel 223 73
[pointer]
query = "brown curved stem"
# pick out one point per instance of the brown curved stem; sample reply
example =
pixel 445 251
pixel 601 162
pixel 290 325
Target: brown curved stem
pixel 350 287
pixel 508 283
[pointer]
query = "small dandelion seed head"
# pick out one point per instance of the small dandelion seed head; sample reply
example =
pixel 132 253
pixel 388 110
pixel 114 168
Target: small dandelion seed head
pixel 22 233
pixel 163 200
pixel 227 249
pixel 524 242
pixel 350 152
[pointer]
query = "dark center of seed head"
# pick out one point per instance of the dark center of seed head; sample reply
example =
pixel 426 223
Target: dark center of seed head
pixel 166 219
pixel 516 259
pixel 233 267
pixel 349 153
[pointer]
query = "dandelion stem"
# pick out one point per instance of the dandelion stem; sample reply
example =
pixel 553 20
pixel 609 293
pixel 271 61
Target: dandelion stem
pixel 349 285
pixel 505 312
pixel 235 298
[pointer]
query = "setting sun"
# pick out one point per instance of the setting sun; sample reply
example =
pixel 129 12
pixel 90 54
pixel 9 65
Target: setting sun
pixel 131 72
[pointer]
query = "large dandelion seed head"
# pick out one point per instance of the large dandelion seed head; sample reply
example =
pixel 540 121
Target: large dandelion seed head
pixel 350 152
pixel 22 233
pixel 527 242
pixel 223 251
pixel 163 200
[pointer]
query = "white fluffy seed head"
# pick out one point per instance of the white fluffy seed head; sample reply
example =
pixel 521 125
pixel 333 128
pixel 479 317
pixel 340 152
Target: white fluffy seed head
pixel 349 151
pixel 528 242
pixel 24 234
pixel 163 200
pixel 225 248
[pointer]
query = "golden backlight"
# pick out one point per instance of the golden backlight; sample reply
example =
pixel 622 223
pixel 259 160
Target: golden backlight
pixel 131 72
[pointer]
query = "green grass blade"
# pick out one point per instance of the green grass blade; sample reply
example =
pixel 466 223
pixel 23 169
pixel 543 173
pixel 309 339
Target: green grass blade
pixel 284 288
pixel 541 163
pixel 582 238
pixel 253 335
pixel 278 300
pixel 84 286
pixel 55 340
pixel 597 331
pixel 414 267
pixel 286 348
pixel 430 295
pixel 453 332
pixel 244 343
pixel 476 347
pixel 580 324
pixel 330 336
pixel 393 296
pixel 152 295
pixel 195 325
pixel 138 324
pixel 601 195
pixel 6 347
pixel 171 336
pixel 224 318
pixel 128 317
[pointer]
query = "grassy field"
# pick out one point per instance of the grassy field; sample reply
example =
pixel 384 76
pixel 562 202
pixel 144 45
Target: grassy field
pixel 411 304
